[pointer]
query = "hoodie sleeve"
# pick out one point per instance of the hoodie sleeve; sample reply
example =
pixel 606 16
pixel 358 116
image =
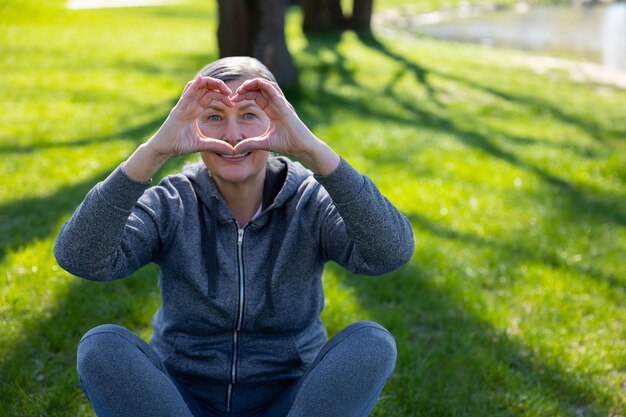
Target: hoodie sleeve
pixel 116 230
pixel 362 230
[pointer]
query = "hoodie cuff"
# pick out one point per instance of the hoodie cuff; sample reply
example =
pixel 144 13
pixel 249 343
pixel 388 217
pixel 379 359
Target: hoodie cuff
pixel 343 184
pixel 121 191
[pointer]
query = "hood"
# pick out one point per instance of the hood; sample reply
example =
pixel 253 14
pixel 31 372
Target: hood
pixel 282 180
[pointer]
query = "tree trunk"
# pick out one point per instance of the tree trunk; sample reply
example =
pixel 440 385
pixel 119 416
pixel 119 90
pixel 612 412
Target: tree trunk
pixel 322 16
pixel 327 16
pixel 362 15
pixel 270 45
pixel 257 28
pixel 232 31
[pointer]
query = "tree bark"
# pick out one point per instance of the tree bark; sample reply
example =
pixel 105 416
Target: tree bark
pixel 327 16
pixel 270 45
pixel 322 16
pixel 362 15
pixel 232 31
pixel 257 28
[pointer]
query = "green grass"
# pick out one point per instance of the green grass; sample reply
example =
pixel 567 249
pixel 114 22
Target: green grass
pixel 515 184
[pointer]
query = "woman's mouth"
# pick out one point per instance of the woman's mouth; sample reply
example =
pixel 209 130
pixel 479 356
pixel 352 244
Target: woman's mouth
pixel 236 156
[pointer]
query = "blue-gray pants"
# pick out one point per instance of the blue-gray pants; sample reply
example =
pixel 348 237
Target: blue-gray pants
pixel 122 375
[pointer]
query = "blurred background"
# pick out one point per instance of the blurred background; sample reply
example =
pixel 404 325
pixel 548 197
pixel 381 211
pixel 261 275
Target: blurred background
pixel 497 128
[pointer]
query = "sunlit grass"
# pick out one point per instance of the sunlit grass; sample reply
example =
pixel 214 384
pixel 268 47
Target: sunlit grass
pixel 515 184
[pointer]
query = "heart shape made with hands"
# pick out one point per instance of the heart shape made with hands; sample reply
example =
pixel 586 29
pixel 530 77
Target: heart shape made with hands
pixel 254 143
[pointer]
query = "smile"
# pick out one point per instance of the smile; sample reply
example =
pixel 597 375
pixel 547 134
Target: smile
pixel 239 155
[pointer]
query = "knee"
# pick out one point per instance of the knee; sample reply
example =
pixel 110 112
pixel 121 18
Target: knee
pixel 99 349
pixel 375 345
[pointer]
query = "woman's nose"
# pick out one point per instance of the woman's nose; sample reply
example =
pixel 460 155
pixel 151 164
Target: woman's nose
pixel 233 133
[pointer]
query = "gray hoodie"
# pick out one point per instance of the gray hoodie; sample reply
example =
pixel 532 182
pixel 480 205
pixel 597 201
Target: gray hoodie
pixel 238 305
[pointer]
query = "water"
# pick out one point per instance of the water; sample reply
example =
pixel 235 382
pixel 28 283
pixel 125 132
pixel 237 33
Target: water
pixel 614 36
pixel 593 33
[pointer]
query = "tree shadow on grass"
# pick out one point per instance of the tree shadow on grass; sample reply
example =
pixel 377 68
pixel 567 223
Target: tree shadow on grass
pixel 41 361
pixel 522 252
pixel 327 44
pixel 421 73
pixel 604 206
pixel 592 128
pixel 133 134
pixel 38 373
pixel 28 219
pixel 453 363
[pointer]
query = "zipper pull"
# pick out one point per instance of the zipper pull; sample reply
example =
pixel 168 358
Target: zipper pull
pixel 239 237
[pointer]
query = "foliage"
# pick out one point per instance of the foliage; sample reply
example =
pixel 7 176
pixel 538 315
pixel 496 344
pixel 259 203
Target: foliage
pixel 514 182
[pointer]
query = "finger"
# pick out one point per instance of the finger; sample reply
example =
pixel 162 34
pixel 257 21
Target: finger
pixel 257 96
pixel 215 84
pixel 211 95
pixel 259 84
pixel 267 89
pixel 192 88
pixel 214 145
pixel 258 143
pixel 188 85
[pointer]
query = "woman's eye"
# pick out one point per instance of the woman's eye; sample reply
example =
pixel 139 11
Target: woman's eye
pixel 249 116
pixel 214 118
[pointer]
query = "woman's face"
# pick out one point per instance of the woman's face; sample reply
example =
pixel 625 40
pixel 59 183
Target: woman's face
pixel 233 124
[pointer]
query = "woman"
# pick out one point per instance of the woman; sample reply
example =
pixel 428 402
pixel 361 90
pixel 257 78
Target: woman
pixel 241 240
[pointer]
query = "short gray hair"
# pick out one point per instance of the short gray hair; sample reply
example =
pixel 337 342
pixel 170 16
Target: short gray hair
pixel 237 68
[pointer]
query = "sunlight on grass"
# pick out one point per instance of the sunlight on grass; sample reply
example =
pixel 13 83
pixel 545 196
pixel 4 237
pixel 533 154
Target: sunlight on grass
pixel 341 305
pixel 514 183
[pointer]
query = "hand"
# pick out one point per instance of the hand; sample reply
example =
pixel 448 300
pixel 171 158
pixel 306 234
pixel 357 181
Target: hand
pixel 286 134
pixel 179 134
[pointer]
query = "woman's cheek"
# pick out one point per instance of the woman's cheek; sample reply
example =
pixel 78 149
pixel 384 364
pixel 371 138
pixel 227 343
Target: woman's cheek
pixel 259 127
pixel 209 130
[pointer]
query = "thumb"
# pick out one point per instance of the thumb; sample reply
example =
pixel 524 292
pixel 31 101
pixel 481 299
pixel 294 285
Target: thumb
pixel 214 145
pixel 258 143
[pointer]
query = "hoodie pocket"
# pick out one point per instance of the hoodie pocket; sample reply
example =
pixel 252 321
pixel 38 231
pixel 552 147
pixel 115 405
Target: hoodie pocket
pixel 268 358
pixel 202 357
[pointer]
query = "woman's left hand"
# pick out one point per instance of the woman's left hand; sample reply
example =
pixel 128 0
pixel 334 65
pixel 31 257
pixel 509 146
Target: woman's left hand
pixel 286 134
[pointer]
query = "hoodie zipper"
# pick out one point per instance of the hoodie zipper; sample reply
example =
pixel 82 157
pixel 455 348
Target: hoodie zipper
pixel 233 367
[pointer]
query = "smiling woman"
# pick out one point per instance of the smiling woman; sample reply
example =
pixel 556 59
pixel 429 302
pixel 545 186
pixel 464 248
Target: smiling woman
pixel 241 239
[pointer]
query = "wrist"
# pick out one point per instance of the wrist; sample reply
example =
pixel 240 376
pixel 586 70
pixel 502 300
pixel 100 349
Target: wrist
pixel 144 163
pixel 321 159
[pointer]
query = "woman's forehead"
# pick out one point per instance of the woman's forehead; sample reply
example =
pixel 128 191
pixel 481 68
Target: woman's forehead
pixel 234 84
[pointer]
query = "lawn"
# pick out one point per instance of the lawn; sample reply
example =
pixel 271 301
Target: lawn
pixel 514 182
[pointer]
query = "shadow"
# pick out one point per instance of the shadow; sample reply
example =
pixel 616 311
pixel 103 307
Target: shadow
pixel 419 71
pixel 43 355
pixel 593 129
pixel 542 106
pixel 524 253
pixel 34 218
pixel 42 359
pixel 451 363
pixel 26 220
pixel 604 206
pixel 331 62
pixel 133 134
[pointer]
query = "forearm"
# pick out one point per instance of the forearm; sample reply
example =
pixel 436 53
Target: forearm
pixel 144 163
pixel 320 158
pixel 88 243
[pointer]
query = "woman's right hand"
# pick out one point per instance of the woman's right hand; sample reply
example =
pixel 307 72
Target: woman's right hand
pixel 179 134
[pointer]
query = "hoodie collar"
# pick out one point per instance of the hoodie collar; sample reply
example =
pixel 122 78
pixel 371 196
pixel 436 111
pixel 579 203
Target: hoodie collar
pixel 282 179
